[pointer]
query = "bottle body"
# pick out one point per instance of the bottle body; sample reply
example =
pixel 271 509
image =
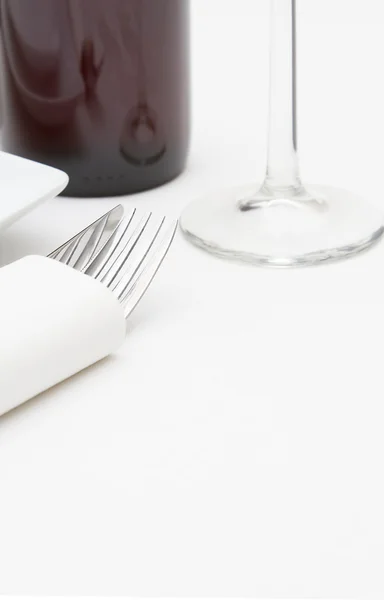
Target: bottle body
pixel 99 89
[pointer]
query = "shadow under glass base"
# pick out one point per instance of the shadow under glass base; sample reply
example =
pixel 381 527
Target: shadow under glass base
pixel 313 226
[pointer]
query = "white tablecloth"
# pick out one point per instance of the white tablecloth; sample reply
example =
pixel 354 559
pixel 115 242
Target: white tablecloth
pixel 234 446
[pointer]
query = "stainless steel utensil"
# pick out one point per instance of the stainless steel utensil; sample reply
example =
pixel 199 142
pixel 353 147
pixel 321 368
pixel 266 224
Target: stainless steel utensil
pixel 78 251
pixel 124 254
pixel 70 322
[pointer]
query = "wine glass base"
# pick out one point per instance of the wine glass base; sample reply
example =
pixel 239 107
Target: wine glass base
pixel 326 224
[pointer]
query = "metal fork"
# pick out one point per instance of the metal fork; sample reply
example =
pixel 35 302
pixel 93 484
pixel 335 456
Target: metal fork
pixel 79 250
pixel 124 254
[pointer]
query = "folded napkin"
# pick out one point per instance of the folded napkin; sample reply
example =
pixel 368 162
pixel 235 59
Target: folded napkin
pixel 54 322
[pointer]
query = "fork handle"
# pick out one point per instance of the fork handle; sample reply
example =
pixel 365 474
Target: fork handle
pixel 54 322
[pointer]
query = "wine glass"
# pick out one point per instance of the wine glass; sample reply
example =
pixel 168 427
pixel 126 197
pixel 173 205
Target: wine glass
pixel 282 223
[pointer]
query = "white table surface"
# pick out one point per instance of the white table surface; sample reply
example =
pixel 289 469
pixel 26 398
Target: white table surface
pixel 234 446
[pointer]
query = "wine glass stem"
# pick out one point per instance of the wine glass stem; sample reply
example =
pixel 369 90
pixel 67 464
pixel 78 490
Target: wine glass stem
pixel 282 167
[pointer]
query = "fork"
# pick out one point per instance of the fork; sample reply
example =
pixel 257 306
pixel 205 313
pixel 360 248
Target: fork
pixel 127 259
pixel 56 321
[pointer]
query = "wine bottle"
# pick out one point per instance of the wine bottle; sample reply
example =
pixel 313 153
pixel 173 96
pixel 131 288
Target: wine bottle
pixel 97 88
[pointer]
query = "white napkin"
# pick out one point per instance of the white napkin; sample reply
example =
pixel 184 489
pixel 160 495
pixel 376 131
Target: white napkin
pixel 54 322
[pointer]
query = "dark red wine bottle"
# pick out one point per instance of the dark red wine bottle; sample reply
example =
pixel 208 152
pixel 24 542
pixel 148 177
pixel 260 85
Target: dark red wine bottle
pixel 97 88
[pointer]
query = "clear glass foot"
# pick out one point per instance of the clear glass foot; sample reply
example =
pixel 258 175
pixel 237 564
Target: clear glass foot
pixel 283 228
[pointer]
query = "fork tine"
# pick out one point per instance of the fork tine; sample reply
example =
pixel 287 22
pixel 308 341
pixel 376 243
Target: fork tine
pixel 55 253
pixel 125 262
pixel 136 264
pixel 71 249
pixel 109 251
pixel 113 268
pixel 133 287
pixel 69 256
pixel 112 217
pixel 90 246
pixel 93 244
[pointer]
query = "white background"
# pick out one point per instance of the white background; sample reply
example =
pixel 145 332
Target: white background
pixel 235 445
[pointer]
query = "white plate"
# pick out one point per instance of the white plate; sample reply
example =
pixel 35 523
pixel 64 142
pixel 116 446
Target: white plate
pixel 24 184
